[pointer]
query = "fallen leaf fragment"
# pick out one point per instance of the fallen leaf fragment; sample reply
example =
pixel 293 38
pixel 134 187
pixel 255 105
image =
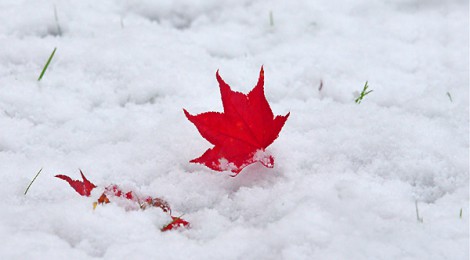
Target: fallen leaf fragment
pixel 116 191
pixel 156 202
pixel 143 203
pixel 83 188
pixel 113 191
pixel 103 199
pixel 242 132
pixel 177 222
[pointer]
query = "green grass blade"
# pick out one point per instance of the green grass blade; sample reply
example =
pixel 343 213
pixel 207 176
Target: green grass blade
pixel 363 93
pixel 271 18
pixel 47 64
pixel 420 219
pixel 59 30
pixel 26 191
pixel 450 97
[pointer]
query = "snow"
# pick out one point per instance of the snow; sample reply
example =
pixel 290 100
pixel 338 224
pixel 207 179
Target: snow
pixel 346 177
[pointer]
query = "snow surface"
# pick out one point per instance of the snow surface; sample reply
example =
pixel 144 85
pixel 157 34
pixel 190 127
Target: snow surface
pixel 346 176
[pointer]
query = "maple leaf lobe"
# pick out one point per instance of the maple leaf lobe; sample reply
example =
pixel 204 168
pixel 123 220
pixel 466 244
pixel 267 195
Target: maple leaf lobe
pixel 242 132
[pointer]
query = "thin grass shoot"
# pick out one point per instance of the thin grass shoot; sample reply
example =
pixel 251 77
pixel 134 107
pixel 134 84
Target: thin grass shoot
pixel 47 64
pixel 364 92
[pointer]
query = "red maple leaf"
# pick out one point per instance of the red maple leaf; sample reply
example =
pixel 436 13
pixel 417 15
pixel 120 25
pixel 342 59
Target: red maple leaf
pixel 242 132
pixel 83 188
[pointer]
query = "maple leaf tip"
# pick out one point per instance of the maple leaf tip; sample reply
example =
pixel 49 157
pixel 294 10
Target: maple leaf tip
pixel 222 83
pixel 186 113
pixel 260 83
pixel 189 116
pixel 194 160
pixel 63 177
pixel 85 180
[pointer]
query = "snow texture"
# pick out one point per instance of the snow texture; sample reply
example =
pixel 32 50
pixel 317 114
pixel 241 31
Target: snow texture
pixel 347 177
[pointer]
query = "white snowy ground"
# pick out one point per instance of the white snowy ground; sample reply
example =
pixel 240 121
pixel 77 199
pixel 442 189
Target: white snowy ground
pixel 346 176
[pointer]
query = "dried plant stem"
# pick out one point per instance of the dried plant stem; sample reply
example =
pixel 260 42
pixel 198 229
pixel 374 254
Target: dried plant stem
pixel 37 174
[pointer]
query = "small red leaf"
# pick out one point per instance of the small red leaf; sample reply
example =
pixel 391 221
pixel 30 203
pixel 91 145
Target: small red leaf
pixel 83 188
pixel 242 132
pixel 103 199
pixel 176 222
